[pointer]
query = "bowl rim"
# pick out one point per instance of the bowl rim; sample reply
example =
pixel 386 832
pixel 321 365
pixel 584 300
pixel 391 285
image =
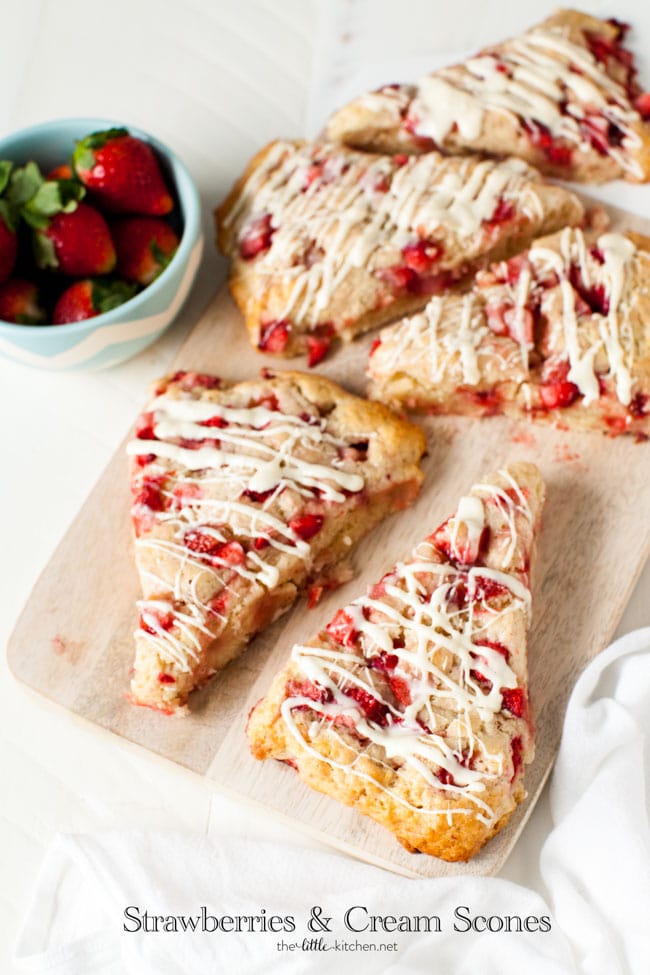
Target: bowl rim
pixel 189 200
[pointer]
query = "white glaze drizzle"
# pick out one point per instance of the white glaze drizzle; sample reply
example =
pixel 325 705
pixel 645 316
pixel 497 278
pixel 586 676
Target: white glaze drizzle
pixel 540 66
pixel 450 701
pixel 260 450
pixel 343 220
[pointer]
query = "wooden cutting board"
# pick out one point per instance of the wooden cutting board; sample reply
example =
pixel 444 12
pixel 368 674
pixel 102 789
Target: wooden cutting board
pixel 73 641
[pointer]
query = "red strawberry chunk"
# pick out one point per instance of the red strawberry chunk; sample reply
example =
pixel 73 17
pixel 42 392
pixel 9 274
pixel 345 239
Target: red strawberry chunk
pixel 493 645
pixel 421 255
pixel 503 212
pixel 517 756
pixel 374 346
pixel 202 542
pixel 318 349
pixel 215 421
pixel 514 700
pixel 307 688
pixel 150 495
pixel 81 243
pixel 400 688
pixel 306 526
pixel 639 405
pixel 341 628
pixel 261 543
pixel 558 395
pixel 232 553
pixel 445 777
pixel 166 679
pixel 144 427
pixel 164 620
pixel 642 105
pixel 384 661
pixel 373 710
pixel 256 237
pixel 486 588
pixel 274 337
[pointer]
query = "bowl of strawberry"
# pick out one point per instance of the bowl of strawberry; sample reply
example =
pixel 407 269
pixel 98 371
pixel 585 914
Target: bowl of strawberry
pixel 100 241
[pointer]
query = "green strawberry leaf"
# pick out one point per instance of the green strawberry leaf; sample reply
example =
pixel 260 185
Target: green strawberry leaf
pixel 5 172
pixel 107 295
pixel 83 157
pixel 24 183
pixel 161 259
pixel 9 216
pixel 44 253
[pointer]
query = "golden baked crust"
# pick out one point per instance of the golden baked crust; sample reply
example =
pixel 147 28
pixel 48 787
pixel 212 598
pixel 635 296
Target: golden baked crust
pixel 244 495
pixel 412 704
pixel 328 242
pixel 563 96
pixel 561 333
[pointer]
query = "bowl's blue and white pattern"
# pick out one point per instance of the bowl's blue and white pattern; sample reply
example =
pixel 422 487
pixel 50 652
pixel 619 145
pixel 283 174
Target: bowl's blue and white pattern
pixel 119 334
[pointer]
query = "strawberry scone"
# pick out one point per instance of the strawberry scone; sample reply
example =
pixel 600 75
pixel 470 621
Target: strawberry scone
pixel 326 241
pixel 244 495
pixel 563 96
pixel 412 705
pixel 560 332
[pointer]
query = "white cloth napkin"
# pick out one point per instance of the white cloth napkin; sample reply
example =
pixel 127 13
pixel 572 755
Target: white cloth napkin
pixel 595 865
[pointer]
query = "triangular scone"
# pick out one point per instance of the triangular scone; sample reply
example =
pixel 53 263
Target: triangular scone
pixel 412 706
pixel 244 495
pixel 326 241
pixel 563 96
pixel 560 332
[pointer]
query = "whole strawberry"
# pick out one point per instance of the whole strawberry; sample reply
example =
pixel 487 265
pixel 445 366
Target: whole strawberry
pixel 20 303
pixel 144 246
pixel 88 298
pixel 123 173
pixel 77 243
pixel 8 239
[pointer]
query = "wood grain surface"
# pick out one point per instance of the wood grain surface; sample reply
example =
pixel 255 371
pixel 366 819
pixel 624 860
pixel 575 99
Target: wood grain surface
pixel 73 642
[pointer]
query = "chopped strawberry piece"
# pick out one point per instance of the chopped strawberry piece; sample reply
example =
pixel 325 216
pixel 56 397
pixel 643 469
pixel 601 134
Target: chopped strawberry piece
pixel 445 777
pixel 518 323
pixel 258 496
pixel 517 756
pixel 341 628
pixel 318 349
pixel 144 427
pixel 400 159
pixel 201 542
pixel 514 700
pixel 558 395
pixel 219 603
pixel 422 255
pixel 493 645
pixel 274 337
pixel 541 137
pixel 261 543
pixel 373 710
pixel 232 553
pixel 642 105
pixel 256 237
pixel 307 688
pixel 486 588
pixel 595 296
pixel 375 345
pixel 384 661
pixel 314 595
pixel 306 526
pixel 215 421
pixel 185 492
pixel 377 590
pixel 400 277
pixel 164 620
pixel 503 211
pixel 150 494
pixel 401 689
pixel 166 679
pixel 639 405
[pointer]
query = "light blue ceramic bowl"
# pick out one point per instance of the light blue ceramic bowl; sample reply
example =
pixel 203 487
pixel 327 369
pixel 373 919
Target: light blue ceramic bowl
pixel 119 334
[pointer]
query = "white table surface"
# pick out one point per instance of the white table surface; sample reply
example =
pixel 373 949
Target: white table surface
pixel 215 81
